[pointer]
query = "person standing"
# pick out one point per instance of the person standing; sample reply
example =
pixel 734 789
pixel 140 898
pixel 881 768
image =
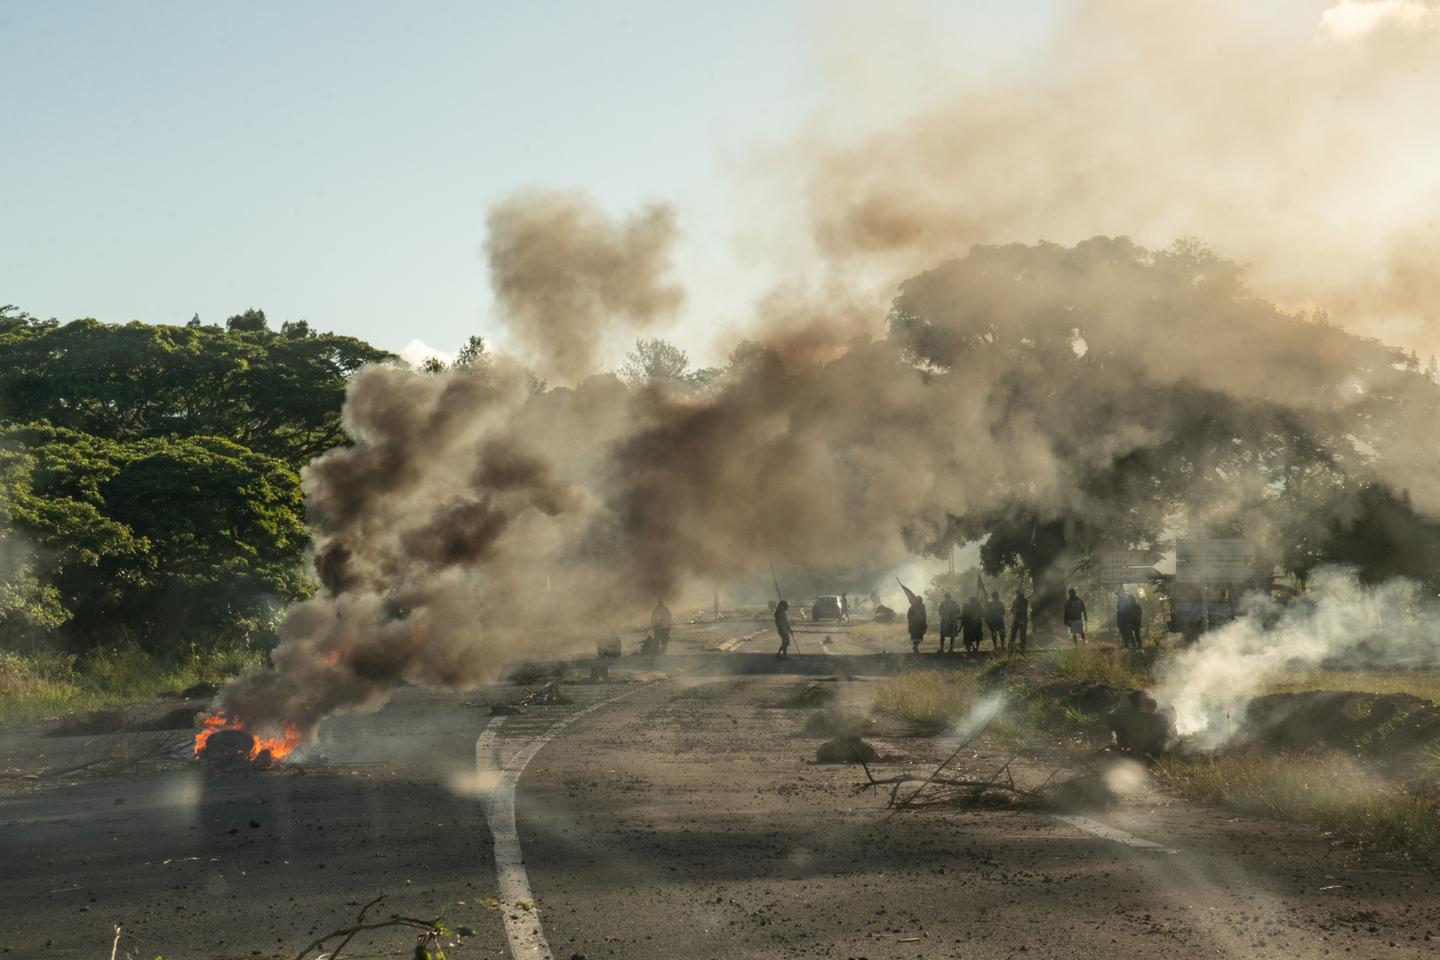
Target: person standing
pixel 995 620
pixel 1075 618
pixel 949 612
pixel 844 608
pixel 1019 620
pixel 782 627
pixel 660 624
pixel 972 624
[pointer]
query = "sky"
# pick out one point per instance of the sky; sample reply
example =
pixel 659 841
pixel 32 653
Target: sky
pixel 334 161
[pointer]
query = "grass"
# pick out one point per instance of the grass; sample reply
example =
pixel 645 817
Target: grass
pixel 1330 792
pixel 1117 667
pixel 36 685
pixel 933 698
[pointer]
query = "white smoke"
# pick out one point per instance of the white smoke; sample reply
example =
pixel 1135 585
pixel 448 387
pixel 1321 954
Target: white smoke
pixel 1339 621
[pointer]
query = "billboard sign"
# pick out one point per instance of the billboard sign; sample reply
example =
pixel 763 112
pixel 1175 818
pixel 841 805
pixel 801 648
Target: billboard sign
pixel 1214 561
pixel 1119 567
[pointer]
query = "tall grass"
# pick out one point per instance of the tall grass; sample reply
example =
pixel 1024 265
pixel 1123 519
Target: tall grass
pixel 1120 668
pixel 35 685
pixel 1329 792
pixel 933 698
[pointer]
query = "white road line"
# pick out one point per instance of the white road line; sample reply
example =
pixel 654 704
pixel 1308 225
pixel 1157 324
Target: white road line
pixel 522 926
pixel 1107 832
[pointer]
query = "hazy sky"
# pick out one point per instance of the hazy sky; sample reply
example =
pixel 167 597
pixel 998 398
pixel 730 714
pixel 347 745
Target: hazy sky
pixel 334 161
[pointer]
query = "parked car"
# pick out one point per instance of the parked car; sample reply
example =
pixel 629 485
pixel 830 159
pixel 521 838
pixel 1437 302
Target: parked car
pixel 825 608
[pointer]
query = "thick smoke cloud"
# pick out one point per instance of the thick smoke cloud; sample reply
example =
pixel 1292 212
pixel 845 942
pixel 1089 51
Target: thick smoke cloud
pixel 568 278
pixel 1102 391
pixel 1049 399
pixel 1294 136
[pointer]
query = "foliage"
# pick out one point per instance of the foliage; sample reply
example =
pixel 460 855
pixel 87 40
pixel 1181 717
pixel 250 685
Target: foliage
pixel 1093 327
pixel 161 541
pixel 278 393
pixel 655 361
pixel 46 684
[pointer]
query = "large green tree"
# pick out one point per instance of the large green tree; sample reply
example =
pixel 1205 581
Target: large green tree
pixel 278 393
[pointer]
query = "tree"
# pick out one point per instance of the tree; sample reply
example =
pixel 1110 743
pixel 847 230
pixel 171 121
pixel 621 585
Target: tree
pixel 298 329
pixel 251 321
pixel 473 353
pixel 275 392
pixel 159 541
pixel 654 360
pixel 432 365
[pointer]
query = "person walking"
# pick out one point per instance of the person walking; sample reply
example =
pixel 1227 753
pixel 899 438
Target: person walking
pixel 915 618
pixel 995 620
pixel 1019 620
pixel 1075 618
pixel 844 608
pixel 782 627
pixel 660 624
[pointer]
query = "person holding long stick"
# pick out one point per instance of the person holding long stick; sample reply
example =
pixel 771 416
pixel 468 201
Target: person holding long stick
pixel 915 618
pixel 782 627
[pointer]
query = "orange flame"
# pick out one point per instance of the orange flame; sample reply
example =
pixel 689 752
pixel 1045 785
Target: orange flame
pixel 279 747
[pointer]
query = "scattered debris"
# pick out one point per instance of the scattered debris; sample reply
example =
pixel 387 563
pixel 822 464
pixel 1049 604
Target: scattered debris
pixel 229 749
pixel 810 695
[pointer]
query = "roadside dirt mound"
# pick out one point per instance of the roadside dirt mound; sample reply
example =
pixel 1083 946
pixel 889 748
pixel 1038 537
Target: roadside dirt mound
pixel 92 723
pixel 846 750
pixel 1382 724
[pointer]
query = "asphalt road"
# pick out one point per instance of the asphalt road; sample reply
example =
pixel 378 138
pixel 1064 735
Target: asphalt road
pixel 682 817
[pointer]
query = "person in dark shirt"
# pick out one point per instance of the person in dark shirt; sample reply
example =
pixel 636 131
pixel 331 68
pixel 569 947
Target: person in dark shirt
pixel 972 624
pixel 995 620
pixel 1075 618
pixel 1019 620
pixel 949 612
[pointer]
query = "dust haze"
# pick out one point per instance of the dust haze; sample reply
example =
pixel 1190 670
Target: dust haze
pixel 1046 399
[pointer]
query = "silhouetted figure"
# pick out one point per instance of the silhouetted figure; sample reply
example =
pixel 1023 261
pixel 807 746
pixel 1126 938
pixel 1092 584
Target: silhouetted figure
pixel 844 608
pixel 1019 620
pixel 1129 616
pixel 1140 728
pixel 949 612
pixel 972 624
pixel 660 624
pixel 995 620
pixel 782 627
pixel 915 618
pixel 1075 618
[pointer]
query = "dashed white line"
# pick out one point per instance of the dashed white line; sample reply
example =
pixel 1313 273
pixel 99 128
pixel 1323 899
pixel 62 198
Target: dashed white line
pixel 522 925
pixel 1107 832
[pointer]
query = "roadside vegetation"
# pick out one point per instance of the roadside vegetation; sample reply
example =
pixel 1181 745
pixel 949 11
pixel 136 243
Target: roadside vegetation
pixel 151 517
pixel 1335 793
pixel 36 685
pixel 1363 795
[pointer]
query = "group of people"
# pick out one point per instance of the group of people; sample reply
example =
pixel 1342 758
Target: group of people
pixel 970 621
